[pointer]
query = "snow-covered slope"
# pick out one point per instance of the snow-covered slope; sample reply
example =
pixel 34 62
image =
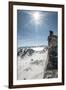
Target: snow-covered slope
pixel 32 62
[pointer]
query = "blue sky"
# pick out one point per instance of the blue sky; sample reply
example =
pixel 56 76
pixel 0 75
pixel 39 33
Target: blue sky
pixel 31 32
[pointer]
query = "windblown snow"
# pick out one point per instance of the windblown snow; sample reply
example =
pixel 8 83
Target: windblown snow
pixel 31 62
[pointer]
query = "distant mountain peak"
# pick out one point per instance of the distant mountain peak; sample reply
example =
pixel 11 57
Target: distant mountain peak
pixel 22 51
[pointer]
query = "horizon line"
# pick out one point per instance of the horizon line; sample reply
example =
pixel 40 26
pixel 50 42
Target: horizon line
pixel 32 46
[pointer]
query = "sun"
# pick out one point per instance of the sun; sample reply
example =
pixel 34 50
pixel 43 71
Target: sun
pixel 36 16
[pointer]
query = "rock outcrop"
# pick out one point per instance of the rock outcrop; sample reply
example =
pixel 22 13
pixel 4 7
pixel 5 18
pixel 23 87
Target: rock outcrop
pixel 52 51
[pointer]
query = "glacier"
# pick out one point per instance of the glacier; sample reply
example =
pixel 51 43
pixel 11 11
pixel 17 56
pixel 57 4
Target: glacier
pixel 31 62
